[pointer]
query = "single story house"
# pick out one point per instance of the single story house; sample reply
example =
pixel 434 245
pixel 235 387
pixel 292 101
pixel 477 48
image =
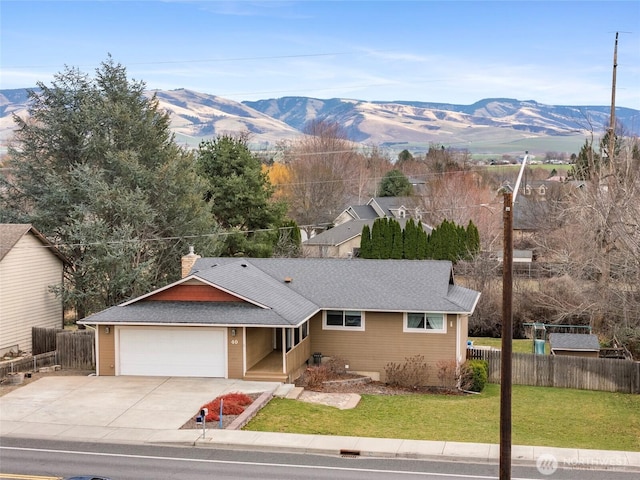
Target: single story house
pixel 267 318
pixel 575 344
pixel 29 266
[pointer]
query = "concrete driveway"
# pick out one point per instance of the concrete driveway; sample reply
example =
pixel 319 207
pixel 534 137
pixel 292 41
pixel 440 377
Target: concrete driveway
pixel 119 407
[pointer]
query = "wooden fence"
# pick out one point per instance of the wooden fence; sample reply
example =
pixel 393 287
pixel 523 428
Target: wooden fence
pixel 69 349
pixel 76 349
pixel 564 371
pixel 43 340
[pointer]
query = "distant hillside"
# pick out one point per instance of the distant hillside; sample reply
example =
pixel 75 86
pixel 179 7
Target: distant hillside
pixel 498 121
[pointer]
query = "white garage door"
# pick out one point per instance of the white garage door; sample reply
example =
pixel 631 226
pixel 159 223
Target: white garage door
pixel 173 352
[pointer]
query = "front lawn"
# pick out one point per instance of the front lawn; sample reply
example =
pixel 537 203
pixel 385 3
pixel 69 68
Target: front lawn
pixel 541 416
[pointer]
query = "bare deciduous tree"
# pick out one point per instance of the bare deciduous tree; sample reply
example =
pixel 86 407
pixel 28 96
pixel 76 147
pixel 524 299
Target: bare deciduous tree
pixel 318 191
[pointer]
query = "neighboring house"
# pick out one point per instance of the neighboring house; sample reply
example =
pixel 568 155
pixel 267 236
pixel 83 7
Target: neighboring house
pixel 381 207
pixel 522 260
pixel 265 318
pixel 343 240
pixel 576 344
pixel 29 266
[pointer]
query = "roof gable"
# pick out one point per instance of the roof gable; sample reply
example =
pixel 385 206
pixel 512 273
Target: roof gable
pixel 11 233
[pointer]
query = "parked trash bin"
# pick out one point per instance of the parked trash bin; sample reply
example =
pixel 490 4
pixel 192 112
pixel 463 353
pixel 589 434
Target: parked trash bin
pixel 317 358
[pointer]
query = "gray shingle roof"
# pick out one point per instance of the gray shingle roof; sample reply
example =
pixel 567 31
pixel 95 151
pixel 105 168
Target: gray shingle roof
pixel 340 233
pixel 287 291
pixel 346 231
pixel 189 313
pixel 387 285
pixel 364 212
pixel 574 341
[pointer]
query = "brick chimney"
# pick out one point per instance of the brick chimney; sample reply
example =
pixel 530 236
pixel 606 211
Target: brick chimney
pixel 188 261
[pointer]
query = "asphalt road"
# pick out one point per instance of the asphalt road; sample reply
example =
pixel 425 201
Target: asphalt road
pixel 38 458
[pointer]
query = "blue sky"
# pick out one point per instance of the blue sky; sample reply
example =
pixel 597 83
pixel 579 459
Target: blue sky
pixel 557 52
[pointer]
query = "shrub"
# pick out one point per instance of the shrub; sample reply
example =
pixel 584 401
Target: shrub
pixel 448 373
pixel 336 367
pixel 413 373
pixel 313 377
pixel 232 404
pixel 474 375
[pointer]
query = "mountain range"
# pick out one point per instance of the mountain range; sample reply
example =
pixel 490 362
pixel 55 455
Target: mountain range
pixel 197 116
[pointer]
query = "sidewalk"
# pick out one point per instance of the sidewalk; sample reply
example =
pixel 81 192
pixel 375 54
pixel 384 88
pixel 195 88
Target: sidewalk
pixel 398 448
pixel 335 445
pixel 151 410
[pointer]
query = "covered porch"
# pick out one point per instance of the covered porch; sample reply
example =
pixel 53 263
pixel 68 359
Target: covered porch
pixel 282 364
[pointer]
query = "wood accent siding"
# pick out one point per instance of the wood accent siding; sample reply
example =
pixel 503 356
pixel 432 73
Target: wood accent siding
pixel 26 273
pixel 383 342
pixel 106 343
pixel 259 344
pixel 193 293
pixel 235 346
pixel 298 356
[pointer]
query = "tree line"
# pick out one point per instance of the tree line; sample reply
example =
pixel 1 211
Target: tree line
pixel 386 239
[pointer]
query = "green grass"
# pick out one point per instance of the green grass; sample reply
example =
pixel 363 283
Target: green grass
pixel 541 416
pixel 518 346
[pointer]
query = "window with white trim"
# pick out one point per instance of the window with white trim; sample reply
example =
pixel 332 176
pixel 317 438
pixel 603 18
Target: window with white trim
pixel 343 320
pixel 425 322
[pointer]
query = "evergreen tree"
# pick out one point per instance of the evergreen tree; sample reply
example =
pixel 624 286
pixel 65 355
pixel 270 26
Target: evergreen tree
pixel 473 240
pixel 377 239
pixel 96 170
pixel 396 240
pixel 239 193
pixel 586 161
pixel 386 243
pixel 423 243
pixel 365 243
pixel 395 184
pixel 411 238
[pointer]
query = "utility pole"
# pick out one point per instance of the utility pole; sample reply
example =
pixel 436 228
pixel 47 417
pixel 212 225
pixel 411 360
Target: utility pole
pixel 612 116
pixel 507 327
pixel 507 335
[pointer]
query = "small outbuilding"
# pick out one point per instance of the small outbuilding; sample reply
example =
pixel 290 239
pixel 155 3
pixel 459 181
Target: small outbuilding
pixel 575 344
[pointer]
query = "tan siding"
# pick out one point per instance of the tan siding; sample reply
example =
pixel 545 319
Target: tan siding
pixel 234 353
pixel 259 344
pixel 106 350
pixel 382 342
pixel 26 273
pixel 332 251
pixel 297 356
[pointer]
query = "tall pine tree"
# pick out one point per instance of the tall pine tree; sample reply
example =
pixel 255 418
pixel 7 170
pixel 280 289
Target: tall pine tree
pixel 95 168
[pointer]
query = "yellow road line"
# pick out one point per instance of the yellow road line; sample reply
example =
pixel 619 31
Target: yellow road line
pixel 13 476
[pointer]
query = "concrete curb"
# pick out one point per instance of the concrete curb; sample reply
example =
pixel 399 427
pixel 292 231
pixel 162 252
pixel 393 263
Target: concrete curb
pixel 367 447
